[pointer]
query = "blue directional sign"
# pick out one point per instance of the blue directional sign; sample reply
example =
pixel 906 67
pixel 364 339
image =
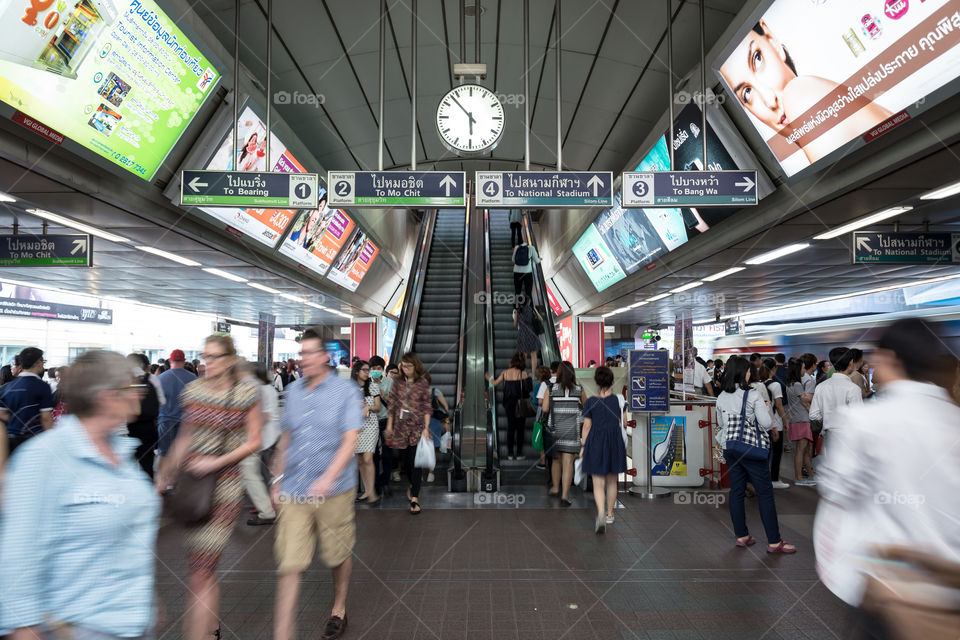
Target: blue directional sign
pixel 536 189
pixel 870 247
pixel 253 189
pixel 649 388
pixel 689 188
pixel 378 189
pixel 45 250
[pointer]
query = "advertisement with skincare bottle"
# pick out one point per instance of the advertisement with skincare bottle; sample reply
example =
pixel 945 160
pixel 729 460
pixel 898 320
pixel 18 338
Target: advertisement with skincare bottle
pixel 814 77
pixel 354 262
pixel 119 78
pixel 317 236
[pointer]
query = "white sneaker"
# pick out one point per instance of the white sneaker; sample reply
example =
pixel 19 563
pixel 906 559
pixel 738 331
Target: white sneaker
pixel 780 485
pixel 609 519
pixel 430 477
pixel 806 482
pixel 395 476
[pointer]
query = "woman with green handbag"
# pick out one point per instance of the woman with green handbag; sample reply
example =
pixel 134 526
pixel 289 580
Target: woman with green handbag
pixel 543 378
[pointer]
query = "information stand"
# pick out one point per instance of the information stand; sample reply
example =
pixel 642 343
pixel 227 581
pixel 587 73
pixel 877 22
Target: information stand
pixel 648 393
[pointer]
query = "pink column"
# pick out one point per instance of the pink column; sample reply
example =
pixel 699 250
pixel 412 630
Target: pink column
pixel 590 334
pixel 363 338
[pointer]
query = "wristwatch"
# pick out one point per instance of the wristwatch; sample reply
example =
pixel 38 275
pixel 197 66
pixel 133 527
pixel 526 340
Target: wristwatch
pixel 276 480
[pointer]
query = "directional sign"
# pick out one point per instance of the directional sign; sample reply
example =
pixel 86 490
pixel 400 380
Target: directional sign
pixel 689 188
pixel 905 247
pixel 649 388
pixel 249 189
pixel 359 189
pixel 535 189
pixel 32 250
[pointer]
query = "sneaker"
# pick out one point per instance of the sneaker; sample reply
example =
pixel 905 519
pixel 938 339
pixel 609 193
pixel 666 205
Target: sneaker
pixel 609 519
pixel 777 484
pixel 395 476
pixel 806 482
pixel 257 520
pixel 600 526
pixel 335 627
pixel 430 477
pixel 541 466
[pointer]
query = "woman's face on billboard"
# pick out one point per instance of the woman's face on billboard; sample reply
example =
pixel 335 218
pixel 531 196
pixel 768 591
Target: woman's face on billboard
pixel 757 71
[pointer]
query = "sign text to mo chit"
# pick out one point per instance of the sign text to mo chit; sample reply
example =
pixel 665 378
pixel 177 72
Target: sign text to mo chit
pixel 397 188
pixel 535 189
pixel 689 188
pixel 254 189
pixel 46 250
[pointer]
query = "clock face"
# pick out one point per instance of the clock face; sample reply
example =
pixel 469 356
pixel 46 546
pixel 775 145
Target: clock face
pixel 470 119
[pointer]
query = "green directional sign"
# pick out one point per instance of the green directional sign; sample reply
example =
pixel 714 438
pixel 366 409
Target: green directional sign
pixel 45 250
pixel 357 189
pixel 251 189
pixel 905 247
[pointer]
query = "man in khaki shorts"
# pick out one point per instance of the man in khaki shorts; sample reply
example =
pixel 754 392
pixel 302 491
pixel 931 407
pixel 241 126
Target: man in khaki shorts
pixel 315 484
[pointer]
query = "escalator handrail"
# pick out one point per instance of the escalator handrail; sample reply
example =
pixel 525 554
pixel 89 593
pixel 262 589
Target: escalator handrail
pixel 540 292
pixel 462 351
pixel 488 352
pixel 411 309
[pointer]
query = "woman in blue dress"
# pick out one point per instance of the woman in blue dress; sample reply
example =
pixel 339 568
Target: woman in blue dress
pixel 603 454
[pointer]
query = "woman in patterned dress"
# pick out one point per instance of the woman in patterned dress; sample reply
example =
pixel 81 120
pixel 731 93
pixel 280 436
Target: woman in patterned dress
pixel 563 404
pixel 220 427
pixel 370 435
pixel 409 419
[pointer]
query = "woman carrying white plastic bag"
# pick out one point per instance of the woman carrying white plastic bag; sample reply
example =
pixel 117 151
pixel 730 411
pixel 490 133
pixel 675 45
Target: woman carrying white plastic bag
pixel 426 457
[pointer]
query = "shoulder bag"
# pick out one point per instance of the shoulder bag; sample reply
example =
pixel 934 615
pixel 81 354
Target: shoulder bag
pixel 745 438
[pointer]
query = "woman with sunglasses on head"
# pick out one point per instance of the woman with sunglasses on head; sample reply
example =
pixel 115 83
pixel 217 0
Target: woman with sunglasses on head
pixel 221 426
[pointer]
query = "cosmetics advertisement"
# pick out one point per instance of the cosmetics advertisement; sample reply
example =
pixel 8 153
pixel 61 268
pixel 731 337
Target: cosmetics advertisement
pixel 118 78
pixel 317 236
pixel 352 265
pixel 814 77
pixel 564 330
pixel 263 225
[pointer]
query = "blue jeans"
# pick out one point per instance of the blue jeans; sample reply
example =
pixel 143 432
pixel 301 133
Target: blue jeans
pixel 757 472
pixel 166 434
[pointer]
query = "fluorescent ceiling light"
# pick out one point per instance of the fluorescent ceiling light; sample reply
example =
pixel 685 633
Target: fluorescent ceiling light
pixel 293 298
pixel 637 304
pixel 169 256
pixel 79 226
pixel 659 297
pixel 317 306
pixel 778 253
pixel 6 197
pixel 341 313
pixel 224 274
pixel 614 312
pixel 863 222
pixel 942 192
pixel 687 287
pixel 262 287
pixel 866 292
pixel 723 274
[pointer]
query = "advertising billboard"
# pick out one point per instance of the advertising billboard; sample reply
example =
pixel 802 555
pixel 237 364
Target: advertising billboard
pixel 593 254
pixel 119 78
pixel 30 302
pixel 352 265
pixel 813 77
pixel 263 225
pixel 317 236
pixel 564 330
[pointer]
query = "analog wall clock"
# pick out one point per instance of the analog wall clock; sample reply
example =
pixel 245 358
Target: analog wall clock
pixel 470 119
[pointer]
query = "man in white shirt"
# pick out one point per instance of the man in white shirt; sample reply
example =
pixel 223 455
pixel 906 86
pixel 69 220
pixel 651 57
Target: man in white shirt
pixel 524 256
pixel 702 383
pixel 835 393
pixel 889 480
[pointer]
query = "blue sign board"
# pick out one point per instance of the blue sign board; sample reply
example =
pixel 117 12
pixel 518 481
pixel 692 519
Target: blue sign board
pixel 46 250
pixel 649 388
pixel 689 188
pixel 378 189
pixel 536 189
pixel 871 247
pixel 253 189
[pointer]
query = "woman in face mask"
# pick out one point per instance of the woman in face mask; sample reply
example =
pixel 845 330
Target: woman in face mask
pixel 383 454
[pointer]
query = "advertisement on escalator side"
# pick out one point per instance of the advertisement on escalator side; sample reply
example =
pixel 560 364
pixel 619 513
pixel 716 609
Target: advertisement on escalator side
pixel 354 262
pixel 317 236
pixel 565 338
pixel 118 78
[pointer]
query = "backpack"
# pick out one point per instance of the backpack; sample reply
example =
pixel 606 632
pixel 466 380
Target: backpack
pixel 438 411
pixel 521 256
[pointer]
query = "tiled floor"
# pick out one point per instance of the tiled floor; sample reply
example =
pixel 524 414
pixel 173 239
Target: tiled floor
pixel 664 570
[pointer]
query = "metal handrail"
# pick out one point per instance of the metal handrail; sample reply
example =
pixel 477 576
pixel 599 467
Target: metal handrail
pixel 552 350
pixel 488 351
pixel 461 351
pixel 411 308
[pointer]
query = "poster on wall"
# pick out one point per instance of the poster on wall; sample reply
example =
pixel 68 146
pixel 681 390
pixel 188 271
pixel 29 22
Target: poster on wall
pixel 812 77
pixel 668 456
pixel 117 77
pixel 263 225
pixel 317 236
pixel 29 302
pixel 388 335
pixel 565 338
pixel 354 262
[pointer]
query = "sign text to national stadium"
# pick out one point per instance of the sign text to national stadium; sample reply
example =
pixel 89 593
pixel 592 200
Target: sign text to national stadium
pixel 535 189
pixel 249 189
pixel 689 188
pixel 396 188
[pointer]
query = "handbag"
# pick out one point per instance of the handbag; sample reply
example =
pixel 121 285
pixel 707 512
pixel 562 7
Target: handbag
pixel 538 436
pixel 191 499
pixel 537 325
pixel 816 427
pixel 746 439
pixel 525 408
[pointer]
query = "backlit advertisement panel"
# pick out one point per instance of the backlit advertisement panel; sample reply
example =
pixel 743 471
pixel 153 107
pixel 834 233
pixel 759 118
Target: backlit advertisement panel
pixel 565 338
pixel 317 236
pixel 597 260
pixel 813 77
pixel 119 78
pixel 352 265
pixel 263 225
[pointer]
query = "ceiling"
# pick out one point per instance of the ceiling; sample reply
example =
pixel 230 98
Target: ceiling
pixel 613 73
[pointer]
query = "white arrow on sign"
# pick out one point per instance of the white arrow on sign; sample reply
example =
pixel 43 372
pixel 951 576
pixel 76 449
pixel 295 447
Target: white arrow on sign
pixel 747 184
pixel 449 183
pixel 596 183
pixel 80 244
pixel 864 244
pixel 195 184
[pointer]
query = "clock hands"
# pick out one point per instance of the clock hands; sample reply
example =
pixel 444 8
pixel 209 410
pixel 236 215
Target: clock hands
pixel 469 115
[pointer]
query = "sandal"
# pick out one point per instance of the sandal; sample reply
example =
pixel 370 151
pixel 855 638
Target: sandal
pixel 750 541
pixel 781 547
pixel 415 508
